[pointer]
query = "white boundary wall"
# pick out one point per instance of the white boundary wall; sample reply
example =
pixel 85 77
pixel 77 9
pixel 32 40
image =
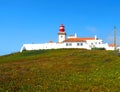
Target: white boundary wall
pixel 85 45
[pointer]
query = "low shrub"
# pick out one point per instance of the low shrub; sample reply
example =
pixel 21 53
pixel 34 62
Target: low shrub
pixel 98 48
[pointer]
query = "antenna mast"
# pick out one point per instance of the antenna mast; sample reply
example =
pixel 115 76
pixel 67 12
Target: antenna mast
pixel 114 38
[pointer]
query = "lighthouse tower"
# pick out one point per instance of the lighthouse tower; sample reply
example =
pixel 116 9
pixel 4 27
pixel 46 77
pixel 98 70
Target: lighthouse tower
pixel 61 34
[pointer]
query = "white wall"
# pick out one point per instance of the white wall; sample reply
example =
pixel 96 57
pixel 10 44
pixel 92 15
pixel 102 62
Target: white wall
pixel 86 45
pixel 61 37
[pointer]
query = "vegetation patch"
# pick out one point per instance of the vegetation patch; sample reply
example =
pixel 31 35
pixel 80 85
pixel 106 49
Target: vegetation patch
pixel 62 70
pixel 98 48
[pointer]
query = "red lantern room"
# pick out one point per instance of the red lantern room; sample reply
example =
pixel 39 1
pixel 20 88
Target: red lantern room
pixel 62 29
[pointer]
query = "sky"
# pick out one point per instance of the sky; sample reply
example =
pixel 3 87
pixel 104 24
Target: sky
pixel 38 21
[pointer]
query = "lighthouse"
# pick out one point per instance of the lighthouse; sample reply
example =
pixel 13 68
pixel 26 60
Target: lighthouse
pixel 61 34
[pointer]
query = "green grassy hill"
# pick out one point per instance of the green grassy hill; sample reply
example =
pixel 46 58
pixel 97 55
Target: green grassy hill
pixel 63 70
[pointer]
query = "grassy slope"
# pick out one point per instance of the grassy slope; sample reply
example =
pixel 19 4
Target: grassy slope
pixel 67 70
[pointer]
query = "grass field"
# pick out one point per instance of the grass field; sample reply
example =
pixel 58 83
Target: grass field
pixel 63 70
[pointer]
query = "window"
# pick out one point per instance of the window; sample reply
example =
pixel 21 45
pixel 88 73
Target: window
pixel 68 44
pixel 79 44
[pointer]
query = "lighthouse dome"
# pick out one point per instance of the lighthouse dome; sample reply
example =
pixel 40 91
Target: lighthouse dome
pixel 62 28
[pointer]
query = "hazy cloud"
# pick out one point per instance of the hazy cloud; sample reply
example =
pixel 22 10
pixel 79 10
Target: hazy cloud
pixel 110 39
pixel 91 29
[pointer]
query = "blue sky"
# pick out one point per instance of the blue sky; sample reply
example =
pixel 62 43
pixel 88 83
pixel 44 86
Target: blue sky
pixel 38 21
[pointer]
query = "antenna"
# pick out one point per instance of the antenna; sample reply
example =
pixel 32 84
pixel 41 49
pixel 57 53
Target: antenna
pixel 115 38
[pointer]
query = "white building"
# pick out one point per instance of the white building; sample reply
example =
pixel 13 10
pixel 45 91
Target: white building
pixel 71 41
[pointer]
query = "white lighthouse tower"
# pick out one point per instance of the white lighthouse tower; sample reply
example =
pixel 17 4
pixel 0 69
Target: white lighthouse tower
pixel 61 34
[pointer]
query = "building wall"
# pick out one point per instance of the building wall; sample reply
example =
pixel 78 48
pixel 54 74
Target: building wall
pixel 61 36
pixel 85 45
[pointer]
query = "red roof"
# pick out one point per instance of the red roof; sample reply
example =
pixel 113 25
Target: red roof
pixel 78 39
pixel 50 42
pixel 111 45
